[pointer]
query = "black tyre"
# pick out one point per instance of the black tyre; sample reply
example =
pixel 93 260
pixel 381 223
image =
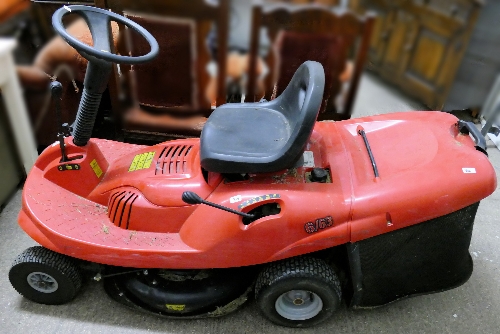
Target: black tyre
pixel 298 292
pixel 45 277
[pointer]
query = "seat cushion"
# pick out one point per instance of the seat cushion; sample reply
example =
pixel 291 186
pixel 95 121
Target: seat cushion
pixel 9 8
pixel 238 124
pixel 57 52
pixel 239 138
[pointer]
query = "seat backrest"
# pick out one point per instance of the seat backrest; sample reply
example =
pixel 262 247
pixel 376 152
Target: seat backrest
pixel 177 79
pixel 310 32
pixel 300 103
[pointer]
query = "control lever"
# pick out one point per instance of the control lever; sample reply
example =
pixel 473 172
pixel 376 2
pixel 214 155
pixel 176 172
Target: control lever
pixel 190 197
pixel 64 128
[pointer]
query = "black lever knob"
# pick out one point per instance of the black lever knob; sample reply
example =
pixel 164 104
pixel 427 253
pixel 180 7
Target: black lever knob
pixel 190 197
pixel 56 89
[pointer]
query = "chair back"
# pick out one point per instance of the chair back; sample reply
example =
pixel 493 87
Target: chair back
pixel 310 32
pixel 176 80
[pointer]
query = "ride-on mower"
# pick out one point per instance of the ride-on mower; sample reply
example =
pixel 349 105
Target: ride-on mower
pixel 268 203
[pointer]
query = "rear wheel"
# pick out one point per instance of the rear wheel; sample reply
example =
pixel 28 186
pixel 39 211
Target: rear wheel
pixel 298 292
pixel 45 277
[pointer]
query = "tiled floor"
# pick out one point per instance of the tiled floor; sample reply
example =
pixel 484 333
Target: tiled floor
pixel 471 308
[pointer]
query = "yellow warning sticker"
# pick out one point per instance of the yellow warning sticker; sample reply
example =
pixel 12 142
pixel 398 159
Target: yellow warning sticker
pixel 95 167
pixel 141 161
pixel 172 307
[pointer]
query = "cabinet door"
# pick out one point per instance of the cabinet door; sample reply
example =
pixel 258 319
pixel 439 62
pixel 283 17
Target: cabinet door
pixel 418 44
pixel 402 29
pixel 380 34
pixel 382 28
pixel 426 46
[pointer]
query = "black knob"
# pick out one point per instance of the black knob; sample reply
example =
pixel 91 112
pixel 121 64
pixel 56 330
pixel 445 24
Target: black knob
pixel 190 197
pixel 319 175
pixel 56 89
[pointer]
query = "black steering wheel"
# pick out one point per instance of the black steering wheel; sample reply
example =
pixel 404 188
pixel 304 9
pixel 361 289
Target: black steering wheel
pixel 98 21
pixel 100 60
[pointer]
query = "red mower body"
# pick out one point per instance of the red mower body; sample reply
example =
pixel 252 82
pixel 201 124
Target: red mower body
pixel 120 204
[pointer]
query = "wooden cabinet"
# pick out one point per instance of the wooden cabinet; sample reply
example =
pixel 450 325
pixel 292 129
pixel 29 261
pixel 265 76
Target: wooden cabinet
pixel 418 44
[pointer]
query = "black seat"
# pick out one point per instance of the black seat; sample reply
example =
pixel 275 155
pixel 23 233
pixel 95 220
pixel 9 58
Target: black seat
pixel 267 136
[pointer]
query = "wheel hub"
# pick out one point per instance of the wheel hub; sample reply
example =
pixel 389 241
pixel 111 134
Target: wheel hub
pixel 298 305
pixel 42 282
pixel 298 301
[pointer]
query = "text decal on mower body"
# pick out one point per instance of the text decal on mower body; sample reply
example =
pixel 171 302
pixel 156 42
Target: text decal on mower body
pixel 469 170
pixel 257 199
pixel 141 161
pixel 318 224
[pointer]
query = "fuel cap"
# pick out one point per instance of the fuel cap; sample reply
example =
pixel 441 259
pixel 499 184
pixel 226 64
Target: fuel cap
pixel 319 175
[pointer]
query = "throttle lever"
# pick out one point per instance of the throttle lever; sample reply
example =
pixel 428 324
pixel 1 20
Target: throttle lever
pixel 64 130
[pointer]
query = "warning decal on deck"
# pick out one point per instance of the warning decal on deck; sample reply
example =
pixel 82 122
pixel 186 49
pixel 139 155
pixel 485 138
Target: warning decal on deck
pixel 173 307
pixel 95 167
pixel 141 161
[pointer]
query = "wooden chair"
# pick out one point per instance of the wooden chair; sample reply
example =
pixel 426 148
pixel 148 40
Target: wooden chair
pixel 310 32
pixel 168 95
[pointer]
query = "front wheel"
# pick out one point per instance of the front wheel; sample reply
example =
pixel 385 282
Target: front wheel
pixel 298 292
pixel 45 277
